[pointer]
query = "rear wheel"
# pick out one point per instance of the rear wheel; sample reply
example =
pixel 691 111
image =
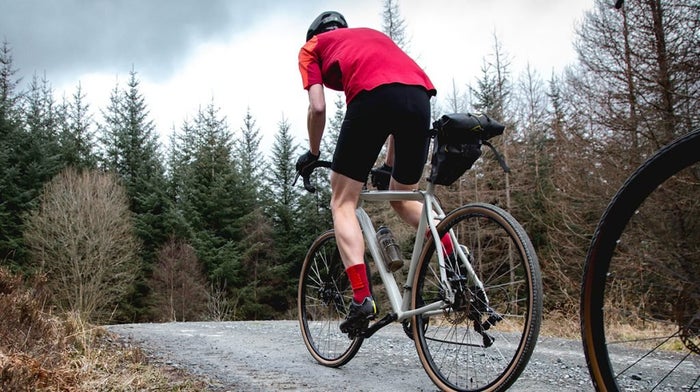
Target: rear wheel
pixel 472 345
pixel 323 300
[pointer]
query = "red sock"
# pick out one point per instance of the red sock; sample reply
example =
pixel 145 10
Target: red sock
pixel 446 243
pixel 359 282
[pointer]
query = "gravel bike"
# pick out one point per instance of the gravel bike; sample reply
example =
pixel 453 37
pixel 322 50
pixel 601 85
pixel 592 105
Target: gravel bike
pixel 643 268
pixel 474 314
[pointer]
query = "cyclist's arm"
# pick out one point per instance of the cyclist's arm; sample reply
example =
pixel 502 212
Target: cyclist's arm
pixel 316 118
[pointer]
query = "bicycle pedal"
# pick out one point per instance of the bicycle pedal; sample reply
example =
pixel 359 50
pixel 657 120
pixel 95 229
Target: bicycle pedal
pixel 358 331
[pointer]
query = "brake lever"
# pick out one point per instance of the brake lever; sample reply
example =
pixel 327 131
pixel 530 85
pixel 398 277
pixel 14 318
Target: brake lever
pixel 307 185
pixel 307 178
pixel 307 182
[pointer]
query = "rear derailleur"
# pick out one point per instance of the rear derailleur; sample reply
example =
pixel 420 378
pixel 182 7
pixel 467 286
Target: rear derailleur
pixel 470 303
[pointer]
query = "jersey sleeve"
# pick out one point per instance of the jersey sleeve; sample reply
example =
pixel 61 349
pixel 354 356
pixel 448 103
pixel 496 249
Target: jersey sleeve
pixel 309 66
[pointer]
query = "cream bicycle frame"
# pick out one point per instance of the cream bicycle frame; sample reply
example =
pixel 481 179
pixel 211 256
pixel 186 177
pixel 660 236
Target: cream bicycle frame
pixel 431 213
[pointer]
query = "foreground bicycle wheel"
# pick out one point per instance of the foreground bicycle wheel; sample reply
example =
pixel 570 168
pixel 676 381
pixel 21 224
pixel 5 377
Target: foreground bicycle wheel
pixel 324 296
pixel 453 352
pixel 640 298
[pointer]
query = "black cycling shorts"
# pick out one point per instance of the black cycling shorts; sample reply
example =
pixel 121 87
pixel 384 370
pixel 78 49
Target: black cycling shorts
pixel 371 117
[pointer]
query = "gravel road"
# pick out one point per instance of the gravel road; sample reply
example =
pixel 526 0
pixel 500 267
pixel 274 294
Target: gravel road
pixel 270 356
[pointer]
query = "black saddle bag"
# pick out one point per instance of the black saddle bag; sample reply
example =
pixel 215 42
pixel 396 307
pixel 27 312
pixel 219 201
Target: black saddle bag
pixel 458 141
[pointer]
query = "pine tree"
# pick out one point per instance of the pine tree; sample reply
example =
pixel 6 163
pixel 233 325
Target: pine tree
pixel 77 135
pixel 250 162
pixel 39 150
pixel 330 139
pixel 313 209
pixel 180 158
pixel 132 151
pixel 12 204
pixel 393 24
pixel 298 217
pixel 29 153
pixel 257 246
pixel 129 139
pixel 262 294
pixel 208 188
pixel 285 196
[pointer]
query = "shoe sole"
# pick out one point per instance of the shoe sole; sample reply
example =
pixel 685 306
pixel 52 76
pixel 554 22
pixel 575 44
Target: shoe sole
pixel 363 324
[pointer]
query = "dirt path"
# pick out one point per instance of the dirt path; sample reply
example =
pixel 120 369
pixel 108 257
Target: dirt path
pixel 270 355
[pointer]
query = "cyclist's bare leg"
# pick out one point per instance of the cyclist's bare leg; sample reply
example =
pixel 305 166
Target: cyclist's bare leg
pixel 345 194
pixel 389 160
pixel 351 245
pixel 409 210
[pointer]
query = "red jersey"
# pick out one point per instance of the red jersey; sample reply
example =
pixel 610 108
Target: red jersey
pixel 357 59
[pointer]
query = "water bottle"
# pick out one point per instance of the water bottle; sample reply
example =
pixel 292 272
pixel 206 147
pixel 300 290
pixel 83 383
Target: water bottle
pixel 390 250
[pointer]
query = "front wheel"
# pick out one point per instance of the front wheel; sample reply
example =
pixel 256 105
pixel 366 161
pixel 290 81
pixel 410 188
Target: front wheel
pixel 482 339
pixel 640 294
pixel 323 299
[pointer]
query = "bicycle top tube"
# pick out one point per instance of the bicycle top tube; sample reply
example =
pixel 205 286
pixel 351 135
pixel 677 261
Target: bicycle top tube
pixel 372 195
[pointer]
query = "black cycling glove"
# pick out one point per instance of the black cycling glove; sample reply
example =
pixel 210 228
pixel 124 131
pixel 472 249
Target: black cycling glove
pixel 305 161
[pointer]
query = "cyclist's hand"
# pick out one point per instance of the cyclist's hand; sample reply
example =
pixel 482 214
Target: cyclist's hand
pixel 381 177
pixel 304 163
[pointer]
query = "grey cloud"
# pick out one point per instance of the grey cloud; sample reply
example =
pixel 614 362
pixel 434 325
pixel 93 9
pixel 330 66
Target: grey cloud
pixel 155 36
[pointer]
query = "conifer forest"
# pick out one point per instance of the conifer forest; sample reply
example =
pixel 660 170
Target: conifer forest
pixel 209 226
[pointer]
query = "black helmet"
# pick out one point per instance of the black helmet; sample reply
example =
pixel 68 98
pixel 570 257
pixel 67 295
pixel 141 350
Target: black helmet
pixel 329 20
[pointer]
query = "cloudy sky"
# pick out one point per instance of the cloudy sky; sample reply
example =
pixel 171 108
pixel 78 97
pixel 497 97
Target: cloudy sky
pixel 242 54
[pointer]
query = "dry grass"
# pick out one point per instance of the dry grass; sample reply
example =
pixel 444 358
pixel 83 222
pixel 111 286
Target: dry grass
pixel 40 351
pixel 645 334
pixel 637 333
pixel 558 324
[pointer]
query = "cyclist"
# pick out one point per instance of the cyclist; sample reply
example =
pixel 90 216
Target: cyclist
pixel 386 93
